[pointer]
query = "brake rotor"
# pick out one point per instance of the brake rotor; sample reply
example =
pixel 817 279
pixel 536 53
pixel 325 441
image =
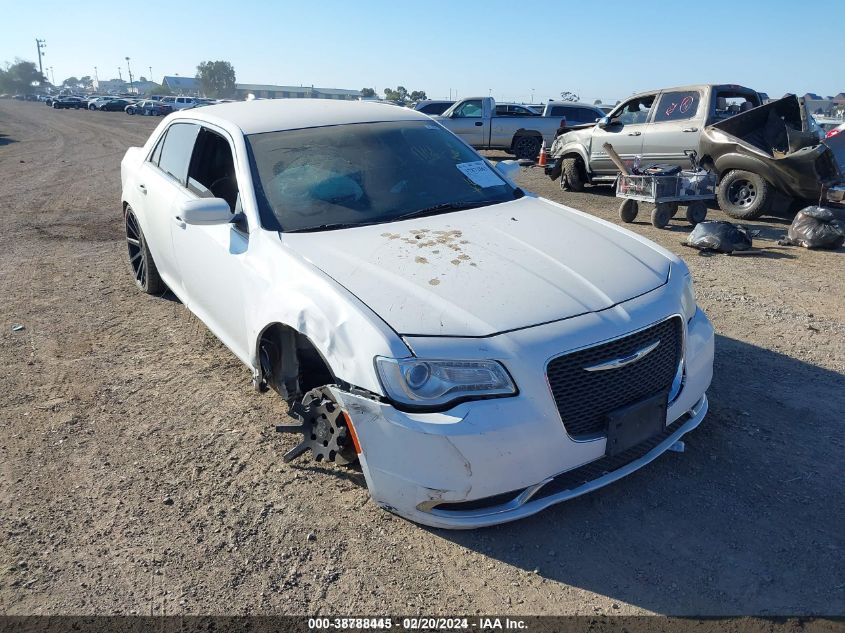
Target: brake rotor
pixel 323 427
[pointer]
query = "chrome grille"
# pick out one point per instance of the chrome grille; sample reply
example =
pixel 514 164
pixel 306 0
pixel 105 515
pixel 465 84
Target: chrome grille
pixel 584 398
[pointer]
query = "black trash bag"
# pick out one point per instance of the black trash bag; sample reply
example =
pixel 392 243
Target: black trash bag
pixel 815 227
pixel 720 236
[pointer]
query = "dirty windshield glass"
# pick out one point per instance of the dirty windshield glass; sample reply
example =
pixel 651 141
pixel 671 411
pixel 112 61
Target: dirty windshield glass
pixel 367 173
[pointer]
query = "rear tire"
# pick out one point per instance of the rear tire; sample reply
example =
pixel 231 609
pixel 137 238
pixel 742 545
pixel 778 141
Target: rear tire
pixel 662 213
pixel 743 195
pixel 141 262
pixel 527 147
pixel 573 174
pixel 628 210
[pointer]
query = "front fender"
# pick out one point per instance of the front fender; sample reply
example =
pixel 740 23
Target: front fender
pixel 347 333
pixel 563 147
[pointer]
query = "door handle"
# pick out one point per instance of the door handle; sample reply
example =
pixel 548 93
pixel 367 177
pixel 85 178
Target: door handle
pixel 690 129
pixel 634 133
pixel 142 189
pixel 180 222
pixel 479 123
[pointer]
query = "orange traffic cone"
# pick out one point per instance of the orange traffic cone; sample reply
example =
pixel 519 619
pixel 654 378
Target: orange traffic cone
pixel 541 161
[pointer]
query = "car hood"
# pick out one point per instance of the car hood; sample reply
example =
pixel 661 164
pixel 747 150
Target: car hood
pixel 484 271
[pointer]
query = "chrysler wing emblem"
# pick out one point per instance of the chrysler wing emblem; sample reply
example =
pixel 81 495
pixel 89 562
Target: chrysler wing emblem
pixel 616 363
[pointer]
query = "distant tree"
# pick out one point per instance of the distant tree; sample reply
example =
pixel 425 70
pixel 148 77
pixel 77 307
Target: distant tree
pixel 142 78
pixel 401 94
pixel 368 92
pixel 217 79
pixel 568 96
pixel 85 82
pixel 71 82
pixel 597 102
pixel 20 77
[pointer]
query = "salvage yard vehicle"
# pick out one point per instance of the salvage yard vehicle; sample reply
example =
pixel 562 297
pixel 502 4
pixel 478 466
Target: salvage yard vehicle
pixel 432 106
pixel 114 105
pixel 661 126
pixel 483 353
pixel 148 107
pixel 68 103
pixel 478 122
pixel 572 113
pixel 771 154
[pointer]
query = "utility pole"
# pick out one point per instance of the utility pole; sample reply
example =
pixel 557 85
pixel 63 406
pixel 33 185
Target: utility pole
pixel 129 68
pixel 151 73
pixel 96 80
pixel 40 44
pixel 52 76
pixel 119 73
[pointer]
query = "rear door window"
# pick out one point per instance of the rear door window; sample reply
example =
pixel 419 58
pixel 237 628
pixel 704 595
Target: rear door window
pixel 677 106
pixel 177 149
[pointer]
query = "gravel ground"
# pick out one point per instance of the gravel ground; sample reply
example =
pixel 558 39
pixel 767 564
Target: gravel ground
pixel 140 473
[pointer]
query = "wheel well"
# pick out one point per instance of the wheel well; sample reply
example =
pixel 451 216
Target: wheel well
pixel 523 133
pixel 289 363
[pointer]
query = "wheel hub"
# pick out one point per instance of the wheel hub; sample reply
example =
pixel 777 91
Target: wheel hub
pixel 323 427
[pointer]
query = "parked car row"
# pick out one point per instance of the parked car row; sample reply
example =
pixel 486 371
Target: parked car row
pixel 155 106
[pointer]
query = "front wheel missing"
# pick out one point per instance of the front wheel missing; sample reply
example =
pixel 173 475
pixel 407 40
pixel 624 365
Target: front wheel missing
pixel 324 428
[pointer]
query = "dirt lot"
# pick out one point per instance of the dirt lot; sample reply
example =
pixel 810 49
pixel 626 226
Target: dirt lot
pixel 140 473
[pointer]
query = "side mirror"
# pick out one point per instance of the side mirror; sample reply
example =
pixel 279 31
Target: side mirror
pixel 604 122
pixel 205 211
pixel 507 167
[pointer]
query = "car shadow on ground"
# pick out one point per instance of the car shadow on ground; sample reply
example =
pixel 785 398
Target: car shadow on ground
pixel 748 520
pixel 6 140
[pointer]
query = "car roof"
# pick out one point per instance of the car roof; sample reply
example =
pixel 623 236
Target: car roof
pixel 271 115
pixel 577 104
pixel 691 87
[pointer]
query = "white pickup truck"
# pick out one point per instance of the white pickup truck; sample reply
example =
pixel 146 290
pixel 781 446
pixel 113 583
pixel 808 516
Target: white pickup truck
pixel 477 122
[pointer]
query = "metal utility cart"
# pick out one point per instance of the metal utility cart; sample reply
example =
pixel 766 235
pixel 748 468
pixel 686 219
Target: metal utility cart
pixel 692 188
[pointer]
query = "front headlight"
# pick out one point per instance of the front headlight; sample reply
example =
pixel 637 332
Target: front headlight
pixel 422 383
pixel 688 298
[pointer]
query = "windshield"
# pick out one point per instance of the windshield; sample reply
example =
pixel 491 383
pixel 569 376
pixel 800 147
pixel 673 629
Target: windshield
pixel 367 173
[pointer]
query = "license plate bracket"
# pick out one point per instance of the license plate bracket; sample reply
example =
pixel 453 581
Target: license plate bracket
pixel 635 423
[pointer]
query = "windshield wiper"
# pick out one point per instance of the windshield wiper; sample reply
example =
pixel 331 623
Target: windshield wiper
pixel 328 227
pixel 446 206
pixel 432 210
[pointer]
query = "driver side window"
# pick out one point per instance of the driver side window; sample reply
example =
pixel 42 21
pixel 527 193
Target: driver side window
pixel 635 110
pixel 469 110
pixel 212 170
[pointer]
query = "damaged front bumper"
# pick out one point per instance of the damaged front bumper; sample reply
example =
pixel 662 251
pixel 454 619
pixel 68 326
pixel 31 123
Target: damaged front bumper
pixel 493 461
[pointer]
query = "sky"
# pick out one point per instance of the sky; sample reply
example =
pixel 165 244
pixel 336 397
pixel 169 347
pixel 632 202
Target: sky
pixel 514 51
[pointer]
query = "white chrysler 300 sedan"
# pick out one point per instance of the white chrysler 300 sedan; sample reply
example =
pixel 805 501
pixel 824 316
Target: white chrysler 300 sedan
pixel 482 352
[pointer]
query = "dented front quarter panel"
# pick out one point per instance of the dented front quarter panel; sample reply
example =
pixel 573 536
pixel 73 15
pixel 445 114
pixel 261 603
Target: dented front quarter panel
pixel 291 291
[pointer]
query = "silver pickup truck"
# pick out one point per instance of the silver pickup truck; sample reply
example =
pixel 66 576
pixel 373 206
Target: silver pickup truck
pixel 477 121
pixel 661 126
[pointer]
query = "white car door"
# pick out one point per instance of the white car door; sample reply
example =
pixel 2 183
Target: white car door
pixel 212 258
pixel 161 182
